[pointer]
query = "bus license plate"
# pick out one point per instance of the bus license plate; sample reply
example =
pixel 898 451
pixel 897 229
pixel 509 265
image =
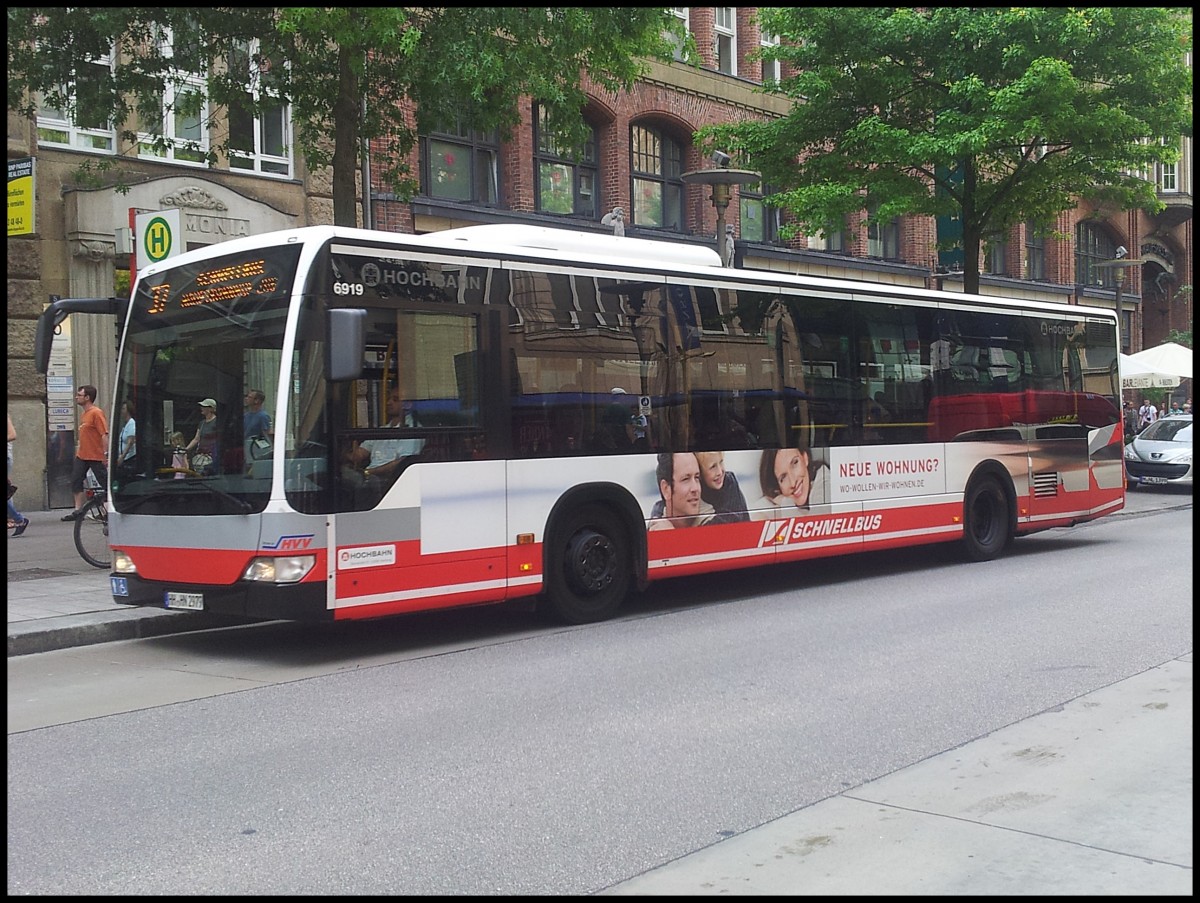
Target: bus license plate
pixel 190 601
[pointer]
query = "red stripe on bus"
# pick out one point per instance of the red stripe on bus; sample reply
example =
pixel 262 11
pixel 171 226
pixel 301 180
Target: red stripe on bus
pixel 211 567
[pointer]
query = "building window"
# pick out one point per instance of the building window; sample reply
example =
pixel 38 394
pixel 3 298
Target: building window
pixel 173 124
pixel 1167 177
pixel 1035 254
pixel 258 142
pixel 883 240
pixel 79 120
pixel 759 221
pixel 460 164
pixel 657 164
pixel 772 70
pixel 680 41
pixel 997 251
pixel 1168 174
pixel 566 182
pixel 173 117
pixel 1092 247
pixel 725 39
pixel 832 240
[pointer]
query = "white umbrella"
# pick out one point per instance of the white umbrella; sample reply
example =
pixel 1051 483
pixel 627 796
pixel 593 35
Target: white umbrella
pixel 1166 358
pixel 1138 375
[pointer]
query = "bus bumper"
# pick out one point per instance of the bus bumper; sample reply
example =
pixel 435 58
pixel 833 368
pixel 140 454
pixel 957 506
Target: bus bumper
pixel 259 601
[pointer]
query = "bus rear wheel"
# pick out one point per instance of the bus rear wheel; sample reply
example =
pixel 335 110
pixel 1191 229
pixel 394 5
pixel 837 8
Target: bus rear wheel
pixel 987 527
pixel 588 566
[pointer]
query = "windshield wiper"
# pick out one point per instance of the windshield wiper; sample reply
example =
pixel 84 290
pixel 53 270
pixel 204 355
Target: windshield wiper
pixel 241 504
pixel 131 504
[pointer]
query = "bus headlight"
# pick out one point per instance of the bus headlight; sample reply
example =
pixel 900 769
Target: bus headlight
pixel 122 563
pixel 284 569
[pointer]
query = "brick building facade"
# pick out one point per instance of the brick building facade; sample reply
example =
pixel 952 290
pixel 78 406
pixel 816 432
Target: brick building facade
pixel 76 249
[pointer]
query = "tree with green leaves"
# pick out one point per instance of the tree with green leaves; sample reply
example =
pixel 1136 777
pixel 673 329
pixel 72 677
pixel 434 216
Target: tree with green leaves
pixel 996 116
pixel 350 75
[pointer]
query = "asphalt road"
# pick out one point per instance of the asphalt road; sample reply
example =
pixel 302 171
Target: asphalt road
pixel 423 756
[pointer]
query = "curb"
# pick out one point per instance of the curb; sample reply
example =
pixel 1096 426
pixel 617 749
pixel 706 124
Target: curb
pixel 68 631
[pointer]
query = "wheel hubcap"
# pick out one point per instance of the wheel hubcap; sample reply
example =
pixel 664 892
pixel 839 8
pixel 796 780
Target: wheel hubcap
pixel 590 559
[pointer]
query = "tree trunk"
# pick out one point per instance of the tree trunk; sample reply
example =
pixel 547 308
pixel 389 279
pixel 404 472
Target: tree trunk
pixel 345 149
pixel 972 234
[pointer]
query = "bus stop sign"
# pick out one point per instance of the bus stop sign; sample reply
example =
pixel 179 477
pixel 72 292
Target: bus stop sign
pixel 157 236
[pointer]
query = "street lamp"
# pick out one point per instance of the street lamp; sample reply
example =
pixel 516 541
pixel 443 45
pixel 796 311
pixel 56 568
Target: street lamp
pixel 1118 265
pixel 720 179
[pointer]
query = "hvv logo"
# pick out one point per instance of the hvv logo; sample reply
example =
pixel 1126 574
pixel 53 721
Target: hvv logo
pixel 289 543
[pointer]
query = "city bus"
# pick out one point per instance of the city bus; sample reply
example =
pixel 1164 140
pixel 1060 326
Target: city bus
pixel 503 412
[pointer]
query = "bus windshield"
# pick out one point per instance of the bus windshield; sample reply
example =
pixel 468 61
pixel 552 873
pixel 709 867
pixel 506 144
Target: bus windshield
pixel 198 378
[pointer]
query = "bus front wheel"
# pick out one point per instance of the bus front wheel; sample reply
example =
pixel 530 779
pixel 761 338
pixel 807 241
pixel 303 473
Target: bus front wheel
pixel 987 526
pixel 588 567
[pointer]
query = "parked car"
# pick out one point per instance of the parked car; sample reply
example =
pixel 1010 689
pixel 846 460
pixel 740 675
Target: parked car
pixel 1161 453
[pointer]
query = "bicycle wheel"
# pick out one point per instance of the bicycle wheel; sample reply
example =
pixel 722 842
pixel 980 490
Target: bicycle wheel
pixel 91 534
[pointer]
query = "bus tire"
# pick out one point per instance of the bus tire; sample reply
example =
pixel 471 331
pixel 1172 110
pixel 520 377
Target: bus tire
pixel 588 566
pixel 987 519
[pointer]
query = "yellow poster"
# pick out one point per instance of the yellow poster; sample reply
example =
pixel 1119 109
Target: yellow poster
pixel 20 196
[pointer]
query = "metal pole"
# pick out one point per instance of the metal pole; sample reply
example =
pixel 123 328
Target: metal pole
pixel 1120 274
pixel 720 199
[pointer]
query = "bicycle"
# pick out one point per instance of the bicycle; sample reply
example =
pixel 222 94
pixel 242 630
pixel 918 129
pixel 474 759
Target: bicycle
pixel 91 529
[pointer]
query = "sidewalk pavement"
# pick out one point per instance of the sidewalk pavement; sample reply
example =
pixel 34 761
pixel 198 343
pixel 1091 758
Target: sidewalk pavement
pixel 1092 797
pixel 57 600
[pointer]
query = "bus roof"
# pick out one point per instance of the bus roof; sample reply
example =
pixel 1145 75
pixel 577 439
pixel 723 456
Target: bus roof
pixel 574 247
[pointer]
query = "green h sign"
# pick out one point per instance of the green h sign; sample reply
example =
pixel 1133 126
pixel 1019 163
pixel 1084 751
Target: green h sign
pixel 159 235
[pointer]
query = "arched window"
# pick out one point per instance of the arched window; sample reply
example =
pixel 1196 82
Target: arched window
pixel 1092 247
pixel 656 164
pixel 460 164
pixel 566 182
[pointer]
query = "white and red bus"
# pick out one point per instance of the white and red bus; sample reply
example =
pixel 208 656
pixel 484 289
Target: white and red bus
pixel 496 412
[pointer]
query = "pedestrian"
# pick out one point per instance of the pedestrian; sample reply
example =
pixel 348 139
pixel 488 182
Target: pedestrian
pixel 256 427
pixel 1147 414
pixel 1131 419
pixel 17 522
pixel 207 441
pixel 91 453
pixel 127 444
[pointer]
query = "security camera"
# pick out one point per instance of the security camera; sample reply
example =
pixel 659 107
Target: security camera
pixel 721 158
pixel 1121 252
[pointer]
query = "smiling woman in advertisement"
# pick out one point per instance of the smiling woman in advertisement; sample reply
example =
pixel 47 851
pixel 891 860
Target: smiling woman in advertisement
pixel 791 479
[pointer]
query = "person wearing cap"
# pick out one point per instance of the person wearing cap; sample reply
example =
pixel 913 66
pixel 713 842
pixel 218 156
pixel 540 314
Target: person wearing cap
pixel 207 441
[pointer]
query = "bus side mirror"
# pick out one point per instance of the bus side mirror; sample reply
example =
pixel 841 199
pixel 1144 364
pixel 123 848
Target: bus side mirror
pixel 56 313
pixel 47 325
pixel 347 343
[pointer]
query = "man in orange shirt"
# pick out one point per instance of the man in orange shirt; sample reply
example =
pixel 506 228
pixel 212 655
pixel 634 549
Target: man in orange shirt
pixel 93 447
